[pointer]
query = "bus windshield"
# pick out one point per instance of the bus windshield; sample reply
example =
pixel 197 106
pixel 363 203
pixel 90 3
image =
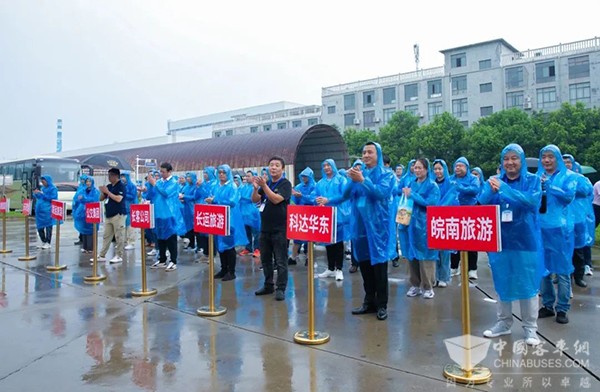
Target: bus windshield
pixel 61 172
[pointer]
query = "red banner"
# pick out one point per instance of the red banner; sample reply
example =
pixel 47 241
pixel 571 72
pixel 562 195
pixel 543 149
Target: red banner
pixel 142 216
pixel 466 228
pixel 58 210
pixel 4 205
pixel 26 207
pixel 311 223
pixel 211 219
pixel 93 212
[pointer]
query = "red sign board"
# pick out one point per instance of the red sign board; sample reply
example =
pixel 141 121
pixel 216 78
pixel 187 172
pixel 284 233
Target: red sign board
pixel 26 207
pixel 211 219
pixel 466 228
pixel 4 205
pixel 142 216
pixel 311 223
pixel 58 211
pixel 93 212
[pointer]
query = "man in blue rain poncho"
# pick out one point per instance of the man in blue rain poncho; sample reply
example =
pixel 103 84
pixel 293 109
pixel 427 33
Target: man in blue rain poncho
pixel 86 195
pixel 187 197
pixel 517 270
pixel 80 187
pixel 204 190
pixel 302 195
pixel 226 194
pixel 374 229
pixel 130 196
pixel 467 187
pixel 250 215
pixel 167 212
pixel 558 187
pixel 330 192
pixel 43 209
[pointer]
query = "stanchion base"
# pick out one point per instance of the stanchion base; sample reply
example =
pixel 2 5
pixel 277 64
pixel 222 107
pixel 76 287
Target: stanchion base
pixel 2 251
pixel 205 311
pixel 94 279
pixel 303 337
pixel 479 374
pixel 141 293
pixel 55 268
pixel 26 258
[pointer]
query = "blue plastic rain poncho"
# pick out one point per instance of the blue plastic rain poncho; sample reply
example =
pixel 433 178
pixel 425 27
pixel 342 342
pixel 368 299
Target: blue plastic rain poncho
pixel 467 187
pixel 167 210
pixel 374 227
pixel 333 189
pixel 403 182
pixel 250 213
pixel 43 206
pixel 581 208
pixel 423 193
pixel 481 178
pixel 80 187
pixel 130 195
pixel 590 218
pixel 306 189
pixel 188 199
pixel 227 194
pixel 150 192
pixel 88 195
pixel 206 188
pixel 448 194
pixel 556 223
pixel 517 270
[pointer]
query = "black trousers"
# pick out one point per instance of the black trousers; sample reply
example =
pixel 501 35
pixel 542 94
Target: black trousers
pixel 353 260
pixel 335 256
pixel 587 255
pixel 45 234
pixel 228 259
pixel 87 241
pixel 191 235
pixel 375 283
pixel 171 244
pixel 578 263
pixel 273 246
pixel 455 260
pixel 202 240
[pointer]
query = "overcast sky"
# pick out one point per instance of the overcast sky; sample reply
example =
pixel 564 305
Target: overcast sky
pixel 117 70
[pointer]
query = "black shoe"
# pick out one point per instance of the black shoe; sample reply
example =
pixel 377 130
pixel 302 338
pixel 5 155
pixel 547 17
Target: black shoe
pixel 395 263
pixel 306 263
pixel 279 295
pixel 292 261
pixel 580 282
pixel 545 312
pixel 364 309
pixel 264 291
pixel 78 242
pixel 561 317
pixel 228 276
pixel 220 274
pixel 381 314
pixel 353 269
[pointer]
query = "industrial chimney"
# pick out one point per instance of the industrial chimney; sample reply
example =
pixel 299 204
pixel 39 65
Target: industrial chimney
pixel 59 135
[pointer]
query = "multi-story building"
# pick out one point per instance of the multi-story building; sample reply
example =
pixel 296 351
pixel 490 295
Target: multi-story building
pixel 262 118
pixel 475 81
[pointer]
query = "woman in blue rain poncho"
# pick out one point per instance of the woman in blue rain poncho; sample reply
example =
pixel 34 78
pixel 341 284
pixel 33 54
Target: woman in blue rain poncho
pixel 80 188
pixel 478 173
pixel 558 187
pixel 130 196
pixel 421 260
pixel 329 192
pixel 374 228
pixel 250 215
pixel 517 271
pixel 226 194
pixel 187 198
pixel 43 209
pixel 302 195
pixel 88 194
pixel 204 190
pixel 403 182
pixel 448 197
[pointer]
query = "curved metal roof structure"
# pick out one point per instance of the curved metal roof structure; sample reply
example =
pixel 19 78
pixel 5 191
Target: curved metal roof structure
pixel 307 146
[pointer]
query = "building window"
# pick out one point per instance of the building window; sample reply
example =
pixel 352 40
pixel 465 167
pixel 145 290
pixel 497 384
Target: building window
pixel 387 115
pixel 389 95
pixel 459 85
pixel 330 109
pixel 580 92
pixel 369 118
pixel 486 110
pixel 464 124
pixel 412 109
pixel 434 88
pixel 281 125
pixel 514 77
pixel 296 123
pixel 313 121
pixel 266 128
pixel 434 108
pixel 545 72
pixel 229 132
pixel 546 98
pixel 459 107
pixel 411 92
pixel 349 102
pixel 485 64
pixel 368 99
pixel 253 129
pixel 514 100
pixel 485 88
pixel 349 119
pixel 579 67
pixel 458 60
pixel 218 134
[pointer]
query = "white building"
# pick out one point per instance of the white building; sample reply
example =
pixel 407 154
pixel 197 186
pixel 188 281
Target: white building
pixel 476 80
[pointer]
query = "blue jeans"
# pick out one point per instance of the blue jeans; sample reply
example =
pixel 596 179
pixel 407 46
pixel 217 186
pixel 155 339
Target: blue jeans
pixel 561 296
pixel 442 270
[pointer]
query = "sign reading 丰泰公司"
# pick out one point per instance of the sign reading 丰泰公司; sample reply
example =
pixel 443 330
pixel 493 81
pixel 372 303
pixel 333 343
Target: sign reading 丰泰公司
pixel 311 223
pixel 93 212
pixel 211 219
pixel 464 228
pixel 58 210
pixel 142 216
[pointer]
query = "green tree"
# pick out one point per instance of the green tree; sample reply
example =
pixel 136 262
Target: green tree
pixel 355 140
pixel 441 138
pixel 396 134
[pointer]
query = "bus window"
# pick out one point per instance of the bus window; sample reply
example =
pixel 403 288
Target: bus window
pixel 19 172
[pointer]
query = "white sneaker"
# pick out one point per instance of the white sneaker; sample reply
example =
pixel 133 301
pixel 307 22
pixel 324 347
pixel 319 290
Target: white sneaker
pixel 473 274
pixel 186 241
pixel 158 264
pixel 153 252
pixel 413 292
pixel 588 271
pixel 428 294
pixel 46 246
pixel 129 247
pixel 39 245
pixel 339 275
pixel 454 272
pixel 116 260
pixel 171 267
pixel 441 283
pixel 327 274
pixel 82 250
pixel 498 329
pixel 531 338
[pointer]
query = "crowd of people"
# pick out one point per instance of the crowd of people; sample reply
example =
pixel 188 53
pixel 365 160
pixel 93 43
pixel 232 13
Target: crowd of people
pixel 548 220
